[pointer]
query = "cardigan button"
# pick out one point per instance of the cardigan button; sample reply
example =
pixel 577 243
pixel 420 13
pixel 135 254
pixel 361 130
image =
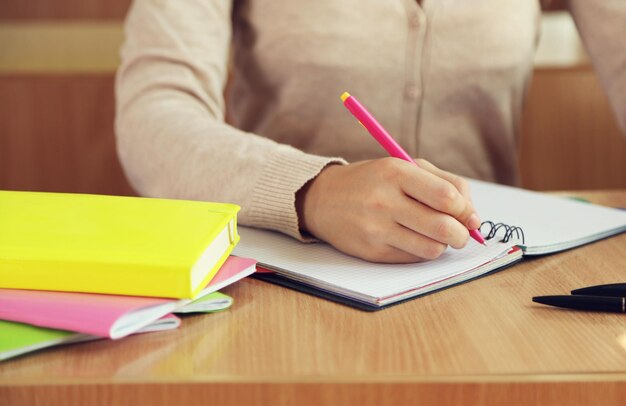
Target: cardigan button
pixel 411 91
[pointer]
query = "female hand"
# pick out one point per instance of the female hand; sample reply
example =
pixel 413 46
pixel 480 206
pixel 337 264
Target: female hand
pixel 388 210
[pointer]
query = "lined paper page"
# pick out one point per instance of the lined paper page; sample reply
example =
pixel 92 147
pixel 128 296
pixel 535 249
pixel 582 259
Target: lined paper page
pixel 550 223
pixel 321 265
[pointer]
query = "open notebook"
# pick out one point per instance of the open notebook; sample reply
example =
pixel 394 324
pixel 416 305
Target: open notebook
pixel 549 224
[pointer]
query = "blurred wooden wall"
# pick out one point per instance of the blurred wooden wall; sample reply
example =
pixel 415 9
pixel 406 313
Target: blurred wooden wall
pixel 570 139
pixel 57 62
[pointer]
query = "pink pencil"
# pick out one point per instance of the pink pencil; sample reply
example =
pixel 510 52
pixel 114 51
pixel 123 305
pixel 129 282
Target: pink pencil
pixel 385 140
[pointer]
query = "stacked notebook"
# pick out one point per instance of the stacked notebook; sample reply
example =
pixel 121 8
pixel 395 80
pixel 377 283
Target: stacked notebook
pixel 83 267
pixel 518 223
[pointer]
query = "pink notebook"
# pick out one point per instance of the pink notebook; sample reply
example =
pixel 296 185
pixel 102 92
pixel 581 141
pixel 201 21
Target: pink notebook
pixel 111 316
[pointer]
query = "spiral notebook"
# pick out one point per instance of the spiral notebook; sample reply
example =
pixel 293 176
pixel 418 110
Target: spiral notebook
pixel 519 222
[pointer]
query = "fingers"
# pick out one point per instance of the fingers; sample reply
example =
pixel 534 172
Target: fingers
pixel 459 182
pixel 389 255
pixel 443 191
pixel 434 225
pixel 417 245
pixel 398 244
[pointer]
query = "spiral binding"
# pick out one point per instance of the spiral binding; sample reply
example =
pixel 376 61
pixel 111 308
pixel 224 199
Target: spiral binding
pixel 509 231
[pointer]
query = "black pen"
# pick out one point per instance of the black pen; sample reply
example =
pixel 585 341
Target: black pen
pixel 612 289
pixel 584 302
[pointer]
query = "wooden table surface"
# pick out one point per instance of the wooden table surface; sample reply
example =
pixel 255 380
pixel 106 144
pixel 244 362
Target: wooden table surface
pixel 483 342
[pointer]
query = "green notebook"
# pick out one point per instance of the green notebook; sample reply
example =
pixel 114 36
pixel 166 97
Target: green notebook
pixel 18 338
pixel 214 302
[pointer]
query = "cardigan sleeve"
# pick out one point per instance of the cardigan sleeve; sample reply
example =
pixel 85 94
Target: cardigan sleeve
pixel 602 25
pixel 172 138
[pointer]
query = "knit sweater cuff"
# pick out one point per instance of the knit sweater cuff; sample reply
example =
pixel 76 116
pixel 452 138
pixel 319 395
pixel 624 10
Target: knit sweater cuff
pixel 273 200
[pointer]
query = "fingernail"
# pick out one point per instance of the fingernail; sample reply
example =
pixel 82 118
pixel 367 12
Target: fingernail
pixel 473 222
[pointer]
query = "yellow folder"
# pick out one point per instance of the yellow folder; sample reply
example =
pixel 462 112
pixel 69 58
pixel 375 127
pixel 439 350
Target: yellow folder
pixel 112 244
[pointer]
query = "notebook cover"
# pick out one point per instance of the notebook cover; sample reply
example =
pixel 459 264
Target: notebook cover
pixel 111 244
pixel 276 279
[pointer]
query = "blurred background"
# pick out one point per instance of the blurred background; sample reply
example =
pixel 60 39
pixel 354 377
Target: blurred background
pixel 57 66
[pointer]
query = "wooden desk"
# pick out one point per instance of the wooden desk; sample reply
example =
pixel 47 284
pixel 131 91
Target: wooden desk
pixel 483 343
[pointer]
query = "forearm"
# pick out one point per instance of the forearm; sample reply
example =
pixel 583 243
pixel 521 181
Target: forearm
pixel 170 147
pixel 172 138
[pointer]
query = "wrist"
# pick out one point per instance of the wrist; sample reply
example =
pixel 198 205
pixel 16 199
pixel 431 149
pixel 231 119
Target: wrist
pixel 310 198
